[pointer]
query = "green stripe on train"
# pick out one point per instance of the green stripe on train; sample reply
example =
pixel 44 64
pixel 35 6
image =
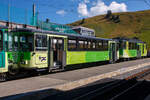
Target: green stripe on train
pixel 77 57
pixel 132 53
pixel 16 57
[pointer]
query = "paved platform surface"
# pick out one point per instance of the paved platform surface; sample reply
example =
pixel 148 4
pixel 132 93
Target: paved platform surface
pixel 78 77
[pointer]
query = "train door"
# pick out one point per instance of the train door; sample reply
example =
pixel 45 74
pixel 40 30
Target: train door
pixel 2 62
pixel 56 53
pixel 138 51
pixel 113 52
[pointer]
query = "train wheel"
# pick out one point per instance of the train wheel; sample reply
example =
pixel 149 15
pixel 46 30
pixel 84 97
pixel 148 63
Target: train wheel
pixel 13 71
pixel 124 59
pixel 3 77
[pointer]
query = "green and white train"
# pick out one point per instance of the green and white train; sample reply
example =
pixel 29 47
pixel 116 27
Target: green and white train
pixel 131 48
pixel 31 49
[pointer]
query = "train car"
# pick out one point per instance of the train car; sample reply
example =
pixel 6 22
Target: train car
pixel 45 50
pixel 131 48
pixel 9 54
pixel 3 54
pixel 6 53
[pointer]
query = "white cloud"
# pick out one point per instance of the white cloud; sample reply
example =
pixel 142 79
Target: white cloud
pixel 61 12
pixel 86 1
pixel 82 9
pixel 100 8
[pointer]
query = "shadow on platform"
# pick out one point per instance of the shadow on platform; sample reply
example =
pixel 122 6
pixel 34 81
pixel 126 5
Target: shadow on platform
pixel 53 94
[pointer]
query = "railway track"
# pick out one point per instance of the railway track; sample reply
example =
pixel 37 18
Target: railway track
pixel 133 87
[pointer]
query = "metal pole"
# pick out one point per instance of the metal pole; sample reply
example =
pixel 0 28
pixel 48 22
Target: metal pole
pixel 26 16
pixel 8 12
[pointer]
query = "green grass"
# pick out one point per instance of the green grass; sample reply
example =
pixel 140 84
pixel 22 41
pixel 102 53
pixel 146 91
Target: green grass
pixel 132 24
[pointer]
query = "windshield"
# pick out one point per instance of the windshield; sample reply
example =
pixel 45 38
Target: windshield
pixel 41 42
pixel 1 40
pixel 26 43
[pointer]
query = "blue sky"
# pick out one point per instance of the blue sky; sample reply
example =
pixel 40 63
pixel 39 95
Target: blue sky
pixel 67 11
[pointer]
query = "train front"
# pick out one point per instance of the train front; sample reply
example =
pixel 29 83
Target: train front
pixel 3 56
pixel 23 47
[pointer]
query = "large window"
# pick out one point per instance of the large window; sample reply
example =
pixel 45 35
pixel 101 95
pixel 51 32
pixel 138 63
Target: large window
pixel 72 44
pixel 102 45
pixel 105 45
pixel 57 44
pixel 122 44
pixel 41 42
pixel 83 44
pixel 132 46
pixel 10 42
pixel 15 43
pixel 89 45
pixel 25 44
pixel 99 45
pixel 1 40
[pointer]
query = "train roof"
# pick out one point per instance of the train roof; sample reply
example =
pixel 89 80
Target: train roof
pixel 128 39
pixel 58 33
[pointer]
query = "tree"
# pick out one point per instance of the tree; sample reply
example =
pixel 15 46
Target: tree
pixel 83 21
pixel 109 14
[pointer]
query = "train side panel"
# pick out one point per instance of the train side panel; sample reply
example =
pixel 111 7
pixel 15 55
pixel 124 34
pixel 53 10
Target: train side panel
pixel 78 57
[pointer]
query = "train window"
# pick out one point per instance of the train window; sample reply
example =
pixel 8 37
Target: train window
pixel 105 45
pixel 1 40
pixel 99 45
pixel 89 45
pixel 72 44
pixel 30 43
pixel 16 38
pixel 135 46
pixel 25 43
pixel 0 36
pixel 23 39
pixel 41 42
pixel 121 44
pixel 6 41
pixel 5 36
pixel 129 46
pixel 10 43
pixel 132 46
pixel 60 44
pixel 15 43
pixel 57 44
pixel 94 45
pixel 117 46
pixel 85 45
pixel 124 44
pixel 81 45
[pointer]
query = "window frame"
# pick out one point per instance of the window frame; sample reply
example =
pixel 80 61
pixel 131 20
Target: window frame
pixel 1 41
pixel 44 45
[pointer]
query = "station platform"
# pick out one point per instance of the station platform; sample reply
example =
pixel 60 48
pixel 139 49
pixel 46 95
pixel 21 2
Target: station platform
pixel 34 87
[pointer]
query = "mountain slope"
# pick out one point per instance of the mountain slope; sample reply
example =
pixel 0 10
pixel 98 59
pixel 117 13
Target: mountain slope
pixel 132 24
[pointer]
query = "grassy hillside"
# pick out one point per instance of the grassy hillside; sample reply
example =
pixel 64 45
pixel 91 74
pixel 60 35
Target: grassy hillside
pixel 132 24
